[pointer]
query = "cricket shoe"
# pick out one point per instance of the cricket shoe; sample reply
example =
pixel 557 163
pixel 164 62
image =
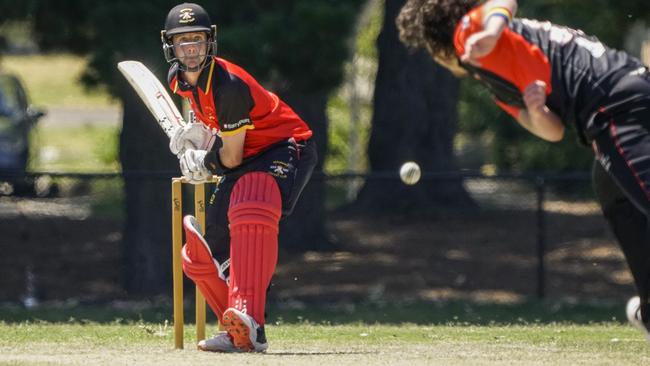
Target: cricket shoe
pixel 246 334
pixel 219 343
pixel 633 312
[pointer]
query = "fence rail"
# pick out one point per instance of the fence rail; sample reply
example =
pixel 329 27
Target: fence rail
pixel 554 214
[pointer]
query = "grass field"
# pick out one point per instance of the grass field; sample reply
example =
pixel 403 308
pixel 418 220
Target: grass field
pixel 86 148
pixel 53 80
pixel 398 336
pixel 354 344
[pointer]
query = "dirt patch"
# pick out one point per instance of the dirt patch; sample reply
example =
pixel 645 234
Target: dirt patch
pixel 490 256
pixel 487 256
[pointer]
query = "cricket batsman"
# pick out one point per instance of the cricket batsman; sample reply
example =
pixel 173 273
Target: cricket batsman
pixel 265 159
pixel 549 77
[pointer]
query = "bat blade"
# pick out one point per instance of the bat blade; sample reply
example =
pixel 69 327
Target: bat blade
pixel 154 95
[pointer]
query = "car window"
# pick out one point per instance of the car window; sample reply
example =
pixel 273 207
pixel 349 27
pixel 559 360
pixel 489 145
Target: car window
pixel 12 95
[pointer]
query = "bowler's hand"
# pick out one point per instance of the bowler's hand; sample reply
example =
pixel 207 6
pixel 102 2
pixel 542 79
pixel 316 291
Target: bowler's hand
pixel 535 97
pixel 479 45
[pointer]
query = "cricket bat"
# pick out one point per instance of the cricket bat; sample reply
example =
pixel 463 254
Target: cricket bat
pixel 154 95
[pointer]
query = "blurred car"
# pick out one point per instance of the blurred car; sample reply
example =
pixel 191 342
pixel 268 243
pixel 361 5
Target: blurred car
pixel 17 118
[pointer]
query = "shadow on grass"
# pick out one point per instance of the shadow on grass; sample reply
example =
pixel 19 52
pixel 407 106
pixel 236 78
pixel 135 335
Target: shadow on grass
pixel 464 313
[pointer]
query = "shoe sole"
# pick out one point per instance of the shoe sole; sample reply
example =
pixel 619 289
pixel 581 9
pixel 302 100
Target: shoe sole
pixel 238 330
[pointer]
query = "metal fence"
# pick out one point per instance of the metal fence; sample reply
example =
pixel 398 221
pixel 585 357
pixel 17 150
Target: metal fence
pixel 527 236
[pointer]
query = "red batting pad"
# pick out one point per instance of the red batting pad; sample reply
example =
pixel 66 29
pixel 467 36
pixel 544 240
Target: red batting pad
pixel 254 213
pixel 199 265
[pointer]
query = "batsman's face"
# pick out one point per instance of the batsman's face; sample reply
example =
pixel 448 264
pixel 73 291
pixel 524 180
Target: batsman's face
pixel 191 48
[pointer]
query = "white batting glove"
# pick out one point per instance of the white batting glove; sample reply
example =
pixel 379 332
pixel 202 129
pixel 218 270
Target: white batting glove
pixel 192 167
pixel 195 136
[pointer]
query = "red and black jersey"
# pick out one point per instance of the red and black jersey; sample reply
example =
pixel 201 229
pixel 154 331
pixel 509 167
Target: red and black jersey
pixel 579 70
pixel 227 98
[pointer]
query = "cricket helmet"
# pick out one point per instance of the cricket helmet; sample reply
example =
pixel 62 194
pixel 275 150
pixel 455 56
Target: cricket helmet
pixel 186 18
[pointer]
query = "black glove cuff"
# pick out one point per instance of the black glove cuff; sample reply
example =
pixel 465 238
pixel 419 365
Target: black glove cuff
pixel 213 164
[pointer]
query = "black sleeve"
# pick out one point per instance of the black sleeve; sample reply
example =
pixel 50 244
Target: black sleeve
pixel 234 102
pixel 503 90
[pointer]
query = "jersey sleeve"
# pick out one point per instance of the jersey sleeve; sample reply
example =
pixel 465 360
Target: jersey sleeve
pixel 471 23
pixel 234 104
pixel 511 110
pixel 513 64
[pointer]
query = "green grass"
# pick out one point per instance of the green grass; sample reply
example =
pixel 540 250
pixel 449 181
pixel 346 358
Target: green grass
pixel 449 334
pixel 53 80
pixel 87 148
pixel 353 344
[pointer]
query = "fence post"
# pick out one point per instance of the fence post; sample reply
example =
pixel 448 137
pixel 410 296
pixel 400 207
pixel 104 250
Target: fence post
pixel 541 238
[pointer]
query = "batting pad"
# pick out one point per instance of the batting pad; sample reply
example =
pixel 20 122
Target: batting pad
pixel 202 268
pixel 254 214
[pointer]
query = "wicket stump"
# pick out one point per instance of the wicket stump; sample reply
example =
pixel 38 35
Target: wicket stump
pixel 177 268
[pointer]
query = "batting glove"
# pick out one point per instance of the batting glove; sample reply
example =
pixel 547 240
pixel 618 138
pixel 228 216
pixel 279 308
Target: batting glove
pixel 195 136
pixel 192 166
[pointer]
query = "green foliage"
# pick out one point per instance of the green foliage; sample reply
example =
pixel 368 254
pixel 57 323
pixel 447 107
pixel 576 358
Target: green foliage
pixel 344 133
pixel 300 43
pixel 608 19
pixel 511 147
pixel 339 148
pixel 297 44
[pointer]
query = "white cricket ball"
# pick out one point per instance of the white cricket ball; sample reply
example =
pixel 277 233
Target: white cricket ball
pixel 410 172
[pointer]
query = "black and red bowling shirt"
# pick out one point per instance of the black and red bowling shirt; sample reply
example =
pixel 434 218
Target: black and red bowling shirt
pixel 579 71
pixel 227 98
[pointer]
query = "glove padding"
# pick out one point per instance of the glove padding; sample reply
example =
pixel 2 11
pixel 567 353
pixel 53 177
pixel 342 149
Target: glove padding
pixel 195 136
pixel 192 166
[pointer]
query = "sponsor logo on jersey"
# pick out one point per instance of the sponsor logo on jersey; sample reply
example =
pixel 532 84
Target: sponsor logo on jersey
pixel 236 125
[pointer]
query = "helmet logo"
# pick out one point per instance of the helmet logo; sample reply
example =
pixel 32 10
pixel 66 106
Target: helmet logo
pixel 186 15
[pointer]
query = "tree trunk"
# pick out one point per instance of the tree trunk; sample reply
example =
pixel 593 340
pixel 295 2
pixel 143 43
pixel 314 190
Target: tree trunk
pixel 147 232
pixel 305 229
pixel 414 118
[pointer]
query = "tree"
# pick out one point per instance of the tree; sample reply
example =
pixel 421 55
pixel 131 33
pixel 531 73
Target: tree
pixel 295 48
pixel 301 58
pixel 414 118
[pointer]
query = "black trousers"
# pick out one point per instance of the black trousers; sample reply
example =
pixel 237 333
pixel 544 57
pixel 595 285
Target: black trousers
pixel 621 178
pixel 290 163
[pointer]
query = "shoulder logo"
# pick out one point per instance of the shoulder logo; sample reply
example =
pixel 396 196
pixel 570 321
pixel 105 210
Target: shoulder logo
pixel 186 15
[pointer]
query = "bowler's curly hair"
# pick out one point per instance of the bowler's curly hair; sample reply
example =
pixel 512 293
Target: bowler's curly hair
pixel 431 23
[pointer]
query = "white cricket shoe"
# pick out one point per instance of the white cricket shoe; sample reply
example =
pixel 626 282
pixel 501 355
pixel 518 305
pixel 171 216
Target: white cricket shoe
pixel 219 343
pixel 633 312
pixel 246 334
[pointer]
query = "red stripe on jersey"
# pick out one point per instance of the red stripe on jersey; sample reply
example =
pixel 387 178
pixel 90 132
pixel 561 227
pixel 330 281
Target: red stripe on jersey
pixel 614 133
